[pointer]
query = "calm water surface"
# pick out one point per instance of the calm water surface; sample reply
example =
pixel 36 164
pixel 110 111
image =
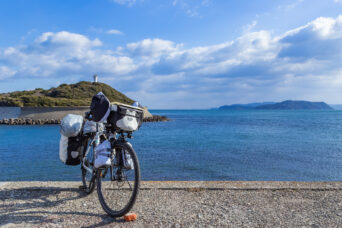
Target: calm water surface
pixel 200 145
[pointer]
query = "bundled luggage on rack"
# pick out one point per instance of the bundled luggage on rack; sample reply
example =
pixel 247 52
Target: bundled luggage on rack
pixel 70 144
pixel 100 107
pixel 122 117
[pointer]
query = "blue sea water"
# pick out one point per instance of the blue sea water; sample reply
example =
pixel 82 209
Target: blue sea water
pixel 199 145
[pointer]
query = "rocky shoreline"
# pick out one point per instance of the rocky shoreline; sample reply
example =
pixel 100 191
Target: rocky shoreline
pixel 29 121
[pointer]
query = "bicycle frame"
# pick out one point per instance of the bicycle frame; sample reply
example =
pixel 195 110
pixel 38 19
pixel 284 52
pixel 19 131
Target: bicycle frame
pixel 92 142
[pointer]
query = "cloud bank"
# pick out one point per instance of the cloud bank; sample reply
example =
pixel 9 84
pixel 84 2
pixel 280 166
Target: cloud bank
pixel 303 63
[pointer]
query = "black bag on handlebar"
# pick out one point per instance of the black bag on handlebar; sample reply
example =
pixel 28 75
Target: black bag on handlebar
pixel 125 118
pixel 99 107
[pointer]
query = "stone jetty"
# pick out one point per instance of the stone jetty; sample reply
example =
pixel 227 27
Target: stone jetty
pixel 29 121
pixel 53 115
pixel 20 121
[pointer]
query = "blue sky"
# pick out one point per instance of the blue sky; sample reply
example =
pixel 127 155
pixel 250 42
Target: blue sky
pixel 177 53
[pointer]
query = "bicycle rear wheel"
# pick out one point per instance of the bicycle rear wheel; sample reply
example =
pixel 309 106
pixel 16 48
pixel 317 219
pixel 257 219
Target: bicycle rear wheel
pixel 88 178
pixel 118 185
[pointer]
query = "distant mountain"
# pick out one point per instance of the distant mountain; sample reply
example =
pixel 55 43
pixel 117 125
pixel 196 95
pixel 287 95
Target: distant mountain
pixel 285 105
pixel 296 105
pixel 336 106
pixel 243 106
pixel 235 107
pixel 79 94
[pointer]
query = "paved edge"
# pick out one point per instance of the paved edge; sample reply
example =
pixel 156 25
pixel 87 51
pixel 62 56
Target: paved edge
pixel 2 184
pixel 196 185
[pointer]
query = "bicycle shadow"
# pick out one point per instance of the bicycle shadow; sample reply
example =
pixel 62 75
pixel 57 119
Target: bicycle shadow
pixel 34 205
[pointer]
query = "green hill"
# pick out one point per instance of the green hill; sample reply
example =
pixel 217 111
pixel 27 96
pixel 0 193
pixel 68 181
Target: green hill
pixel 78 94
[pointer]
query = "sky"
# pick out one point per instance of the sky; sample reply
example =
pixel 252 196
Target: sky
pixel 177 54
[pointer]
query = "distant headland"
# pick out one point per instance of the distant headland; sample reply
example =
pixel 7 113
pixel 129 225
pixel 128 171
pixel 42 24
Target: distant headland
pixel 65 95
pixel 284 105
pixel 40 106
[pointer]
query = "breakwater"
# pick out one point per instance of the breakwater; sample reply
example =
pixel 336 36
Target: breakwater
pixel 52 115
pixel 28 121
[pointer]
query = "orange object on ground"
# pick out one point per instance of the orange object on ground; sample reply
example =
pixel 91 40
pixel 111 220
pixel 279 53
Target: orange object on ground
pixel 130 217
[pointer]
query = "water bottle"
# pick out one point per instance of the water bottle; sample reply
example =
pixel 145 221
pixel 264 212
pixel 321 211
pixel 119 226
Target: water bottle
pixel 128 161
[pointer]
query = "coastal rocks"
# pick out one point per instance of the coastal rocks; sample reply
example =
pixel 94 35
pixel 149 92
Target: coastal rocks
pixel 28 121
pixel 156 118
pixel 21 121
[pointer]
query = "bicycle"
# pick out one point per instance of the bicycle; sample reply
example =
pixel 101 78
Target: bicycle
pixel 117 182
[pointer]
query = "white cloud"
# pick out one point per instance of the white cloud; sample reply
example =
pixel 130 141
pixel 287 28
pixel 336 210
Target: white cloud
pixel 291 5
pixel 191 7
pixel 114 32
pixel 125 2
pixel 63 53
pixel 151 47
pixel 6 72
pixel 248 28
pixel 303 63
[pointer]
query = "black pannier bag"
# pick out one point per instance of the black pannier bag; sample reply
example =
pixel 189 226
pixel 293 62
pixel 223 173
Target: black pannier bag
pixel 70 150
pixel 99 107
pixel 125 117
pixel 74 150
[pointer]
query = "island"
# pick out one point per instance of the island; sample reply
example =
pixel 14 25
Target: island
pixel 284 105
pixel 40 106
pixel 243 106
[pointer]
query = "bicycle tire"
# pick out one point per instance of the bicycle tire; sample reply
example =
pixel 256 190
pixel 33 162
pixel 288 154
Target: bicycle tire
pixel 88 179
pixel 106 187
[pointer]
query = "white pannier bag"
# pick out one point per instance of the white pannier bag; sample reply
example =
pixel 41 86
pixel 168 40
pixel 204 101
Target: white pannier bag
pixel 63 149
pixel 71 125
pixel 102 154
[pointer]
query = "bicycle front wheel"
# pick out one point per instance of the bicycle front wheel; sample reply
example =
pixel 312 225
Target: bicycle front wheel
pixel 118 185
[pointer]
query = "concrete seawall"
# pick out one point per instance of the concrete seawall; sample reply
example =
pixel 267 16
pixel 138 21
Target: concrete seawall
pixel 56 113
pixel 36 113
pixel 43 113
pixel 52 115
pixel 177 204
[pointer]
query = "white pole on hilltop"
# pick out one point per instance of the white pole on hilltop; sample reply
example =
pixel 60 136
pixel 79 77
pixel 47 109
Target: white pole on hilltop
pixel 96 78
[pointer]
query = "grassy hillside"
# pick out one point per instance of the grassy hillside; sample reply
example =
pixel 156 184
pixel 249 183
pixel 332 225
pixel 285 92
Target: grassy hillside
pixel 78 94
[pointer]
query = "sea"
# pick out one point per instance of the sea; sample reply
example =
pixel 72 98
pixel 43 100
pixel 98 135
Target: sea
pixel 247 145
